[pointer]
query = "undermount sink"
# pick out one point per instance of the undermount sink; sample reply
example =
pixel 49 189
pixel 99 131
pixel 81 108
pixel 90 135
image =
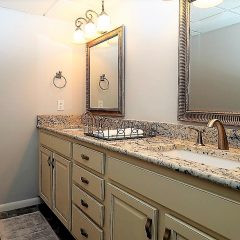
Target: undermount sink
pixel 202 158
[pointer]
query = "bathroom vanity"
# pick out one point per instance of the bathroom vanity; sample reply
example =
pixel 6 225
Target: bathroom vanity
pixel 130 190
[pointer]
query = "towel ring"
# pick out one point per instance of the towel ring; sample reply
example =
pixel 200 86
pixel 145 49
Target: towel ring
pixel 59 76
pixel 102 80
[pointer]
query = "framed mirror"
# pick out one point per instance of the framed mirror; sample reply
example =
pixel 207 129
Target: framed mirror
pixel 209 61
pixel 105 74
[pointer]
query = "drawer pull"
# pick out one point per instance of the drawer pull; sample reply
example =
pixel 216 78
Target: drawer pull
pixel 84 157
pixel 84 233
pixel 84 204
pixel 167 234
pixel 49 161
pixel 53 163
pixel 84 180
pixel 148 228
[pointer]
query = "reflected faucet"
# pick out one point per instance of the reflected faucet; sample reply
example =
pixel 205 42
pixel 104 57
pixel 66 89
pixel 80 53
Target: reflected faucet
pixel 222 136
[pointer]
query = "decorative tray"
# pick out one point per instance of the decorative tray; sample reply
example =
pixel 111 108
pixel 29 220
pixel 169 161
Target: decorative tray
pixel 116 129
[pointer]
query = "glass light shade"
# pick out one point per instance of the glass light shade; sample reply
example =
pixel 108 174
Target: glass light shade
pixel 90 29
pixel 206 3
pixel 103 22
pixel 78 36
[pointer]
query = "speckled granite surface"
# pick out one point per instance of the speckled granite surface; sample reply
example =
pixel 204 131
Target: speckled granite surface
pixel 152 150
pixel 172 131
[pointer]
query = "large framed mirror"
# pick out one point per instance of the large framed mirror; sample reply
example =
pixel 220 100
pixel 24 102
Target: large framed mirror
pixel 105 74
pixel 209 61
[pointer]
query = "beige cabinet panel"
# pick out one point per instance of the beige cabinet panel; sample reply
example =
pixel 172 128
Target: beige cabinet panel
pixel 181 198
pixel 61 189
pixel 179 230
pixel 83 228
pixel 130 218
pixel 45 176
pixel 89 157
pixel 88 205
pixel 88 181
pixel 60 145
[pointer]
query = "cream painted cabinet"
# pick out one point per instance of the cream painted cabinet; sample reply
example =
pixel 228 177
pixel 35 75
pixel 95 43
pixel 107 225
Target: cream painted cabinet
pixel 178 230
pixel 54 184
pixel 45 176
pixel 130 217
pixel 61 189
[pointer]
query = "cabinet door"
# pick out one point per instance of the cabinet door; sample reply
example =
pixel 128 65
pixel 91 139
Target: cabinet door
pixel 179 230
pixel 61 189
pixel 45 176
pixel 130 217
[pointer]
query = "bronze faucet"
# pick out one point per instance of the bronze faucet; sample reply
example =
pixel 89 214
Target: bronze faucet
pixel 222 137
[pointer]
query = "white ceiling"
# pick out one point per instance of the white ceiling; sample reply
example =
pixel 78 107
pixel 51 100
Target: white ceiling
pixel 67 10
pixel 210 19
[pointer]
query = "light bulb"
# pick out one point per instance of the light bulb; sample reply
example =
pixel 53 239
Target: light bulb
pixel 103 22
pixel 206 3
pixel 78 36
pixel 90 29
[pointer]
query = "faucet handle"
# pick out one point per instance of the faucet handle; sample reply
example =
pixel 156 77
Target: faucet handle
pixel 199 135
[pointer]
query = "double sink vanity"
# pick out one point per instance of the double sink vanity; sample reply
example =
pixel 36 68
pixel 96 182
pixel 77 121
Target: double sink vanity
pixel 163 187
pixel 148 188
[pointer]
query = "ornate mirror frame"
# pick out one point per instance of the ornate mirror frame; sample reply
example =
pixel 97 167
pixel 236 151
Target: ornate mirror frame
pixel 120 110
pixel 184 114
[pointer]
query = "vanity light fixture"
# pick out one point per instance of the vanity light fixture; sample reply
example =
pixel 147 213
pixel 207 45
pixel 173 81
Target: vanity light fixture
pixel 205 3
pixel 90 29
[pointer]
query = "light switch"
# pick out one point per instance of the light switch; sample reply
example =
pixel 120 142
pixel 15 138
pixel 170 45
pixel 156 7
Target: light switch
pixel 60 105
pixel 100 103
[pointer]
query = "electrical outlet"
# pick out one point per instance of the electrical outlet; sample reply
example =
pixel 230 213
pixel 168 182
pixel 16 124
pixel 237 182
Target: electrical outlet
pixel 100 103
pixel 60 105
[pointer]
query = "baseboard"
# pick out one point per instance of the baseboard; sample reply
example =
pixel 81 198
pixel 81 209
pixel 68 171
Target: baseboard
pixel 19 204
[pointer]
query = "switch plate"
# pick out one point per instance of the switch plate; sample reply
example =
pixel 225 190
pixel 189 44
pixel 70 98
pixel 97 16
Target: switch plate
pixel 100 103
pixel 60 105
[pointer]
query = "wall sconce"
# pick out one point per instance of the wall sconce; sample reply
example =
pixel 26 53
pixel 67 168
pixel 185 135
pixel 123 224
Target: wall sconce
pixel 90 28
pixel 205 3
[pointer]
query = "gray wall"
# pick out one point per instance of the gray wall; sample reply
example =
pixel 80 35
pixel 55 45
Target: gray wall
pixel 32 50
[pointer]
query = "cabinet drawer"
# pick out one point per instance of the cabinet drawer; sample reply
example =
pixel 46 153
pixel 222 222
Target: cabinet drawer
pixel 55 143
pixel 89 181
pixel 217 213
pixel 88 205
pixel 83 228
pixel 88 157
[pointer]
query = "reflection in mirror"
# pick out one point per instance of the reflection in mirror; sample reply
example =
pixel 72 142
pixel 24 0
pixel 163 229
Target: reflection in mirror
pixel 105 74
pixel 214 74
pixel 209 72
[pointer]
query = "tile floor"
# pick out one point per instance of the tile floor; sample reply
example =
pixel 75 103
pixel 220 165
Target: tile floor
pixel 56 225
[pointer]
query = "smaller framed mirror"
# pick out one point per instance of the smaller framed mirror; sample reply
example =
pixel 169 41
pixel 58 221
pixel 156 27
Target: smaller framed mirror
pixel 106 74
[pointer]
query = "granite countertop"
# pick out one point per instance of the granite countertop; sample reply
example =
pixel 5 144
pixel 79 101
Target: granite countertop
pixel 152 150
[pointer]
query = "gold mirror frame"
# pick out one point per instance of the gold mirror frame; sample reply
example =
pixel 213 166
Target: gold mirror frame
pixel 115 112
pixel 184 114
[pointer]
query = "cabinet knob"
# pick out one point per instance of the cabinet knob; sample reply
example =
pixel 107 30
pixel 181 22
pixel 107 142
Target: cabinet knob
pixel 84 157
pixel 84 204
pixel 84 180
pixel 83 233
pixel 148 228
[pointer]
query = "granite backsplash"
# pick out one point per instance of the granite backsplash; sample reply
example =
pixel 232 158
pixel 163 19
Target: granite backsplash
pixel 173 131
